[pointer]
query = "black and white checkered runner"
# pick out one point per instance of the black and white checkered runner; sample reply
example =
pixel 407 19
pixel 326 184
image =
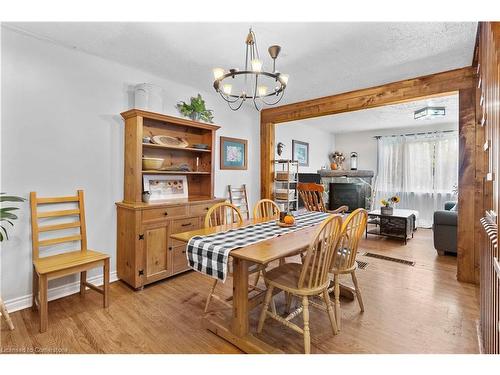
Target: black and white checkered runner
pixel 209 254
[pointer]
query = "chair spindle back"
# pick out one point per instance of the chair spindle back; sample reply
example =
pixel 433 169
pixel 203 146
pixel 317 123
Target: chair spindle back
pixel 266 208
pixel 318 259
pixel 312 196
pixel 353 229
pixel 222 214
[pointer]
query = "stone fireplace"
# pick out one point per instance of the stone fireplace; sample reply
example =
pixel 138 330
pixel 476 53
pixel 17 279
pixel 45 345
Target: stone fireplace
pixel 347 187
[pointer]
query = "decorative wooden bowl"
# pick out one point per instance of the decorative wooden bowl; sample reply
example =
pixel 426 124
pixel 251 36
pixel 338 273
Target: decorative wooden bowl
pixel 166 140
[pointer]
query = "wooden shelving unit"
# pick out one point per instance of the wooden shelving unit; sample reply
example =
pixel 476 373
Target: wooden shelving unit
pixel 289 169
pixel 139 124
pixel 145 251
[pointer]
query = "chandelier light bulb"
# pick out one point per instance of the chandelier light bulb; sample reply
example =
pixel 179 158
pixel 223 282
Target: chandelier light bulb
pixel 256 65
pixel 218 73
pixel 284 78
pixel 262 90
pixel 227 88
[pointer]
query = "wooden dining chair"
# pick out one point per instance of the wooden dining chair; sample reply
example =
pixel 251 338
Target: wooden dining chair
pixel 64 263
pixel 266 208
pixel 344 261
pixel 307 279
pixel 238 197
pixel 223 214
pixel 312 196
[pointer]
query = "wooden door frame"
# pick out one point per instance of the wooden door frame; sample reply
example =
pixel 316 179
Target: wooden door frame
pixel 471 140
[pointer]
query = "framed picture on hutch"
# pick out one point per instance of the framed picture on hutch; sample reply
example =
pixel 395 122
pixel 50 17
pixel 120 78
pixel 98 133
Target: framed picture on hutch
pixel 162 187
pixel 300 152
pixel 233 153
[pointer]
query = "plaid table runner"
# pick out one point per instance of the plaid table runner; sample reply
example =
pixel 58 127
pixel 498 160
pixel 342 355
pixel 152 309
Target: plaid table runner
pixel 209 254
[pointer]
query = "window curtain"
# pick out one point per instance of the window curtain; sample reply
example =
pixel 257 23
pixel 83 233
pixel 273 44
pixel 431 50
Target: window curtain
pixel 421 169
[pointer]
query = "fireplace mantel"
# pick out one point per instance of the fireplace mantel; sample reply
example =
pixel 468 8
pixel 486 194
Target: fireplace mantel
pixel 348 173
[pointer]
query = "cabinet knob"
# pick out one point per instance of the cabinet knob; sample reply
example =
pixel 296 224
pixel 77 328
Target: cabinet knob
pixel 186 224
pixel 170 248
pixel 165 213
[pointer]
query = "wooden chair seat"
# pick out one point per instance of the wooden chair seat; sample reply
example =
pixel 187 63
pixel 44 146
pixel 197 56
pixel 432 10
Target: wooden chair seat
pixel 286 277
pixel 67 261
pixel 337 262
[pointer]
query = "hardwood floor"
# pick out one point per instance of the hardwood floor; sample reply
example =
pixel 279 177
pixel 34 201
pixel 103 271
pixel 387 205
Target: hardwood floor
pixel 420 309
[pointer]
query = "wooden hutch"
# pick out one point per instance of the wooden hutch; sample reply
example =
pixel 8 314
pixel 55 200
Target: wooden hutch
pixel 145 251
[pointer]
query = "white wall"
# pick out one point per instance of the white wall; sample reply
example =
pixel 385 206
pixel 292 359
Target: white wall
pixel 365 144
pixel 62 130
pixel 320 143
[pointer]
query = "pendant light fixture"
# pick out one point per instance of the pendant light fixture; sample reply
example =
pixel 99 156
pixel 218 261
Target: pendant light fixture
pixel 253 83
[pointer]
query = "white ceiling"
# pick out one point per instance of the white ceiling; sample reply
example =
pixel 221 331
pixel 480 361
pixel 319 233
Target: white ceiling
pixel 387 117
pixel 321 58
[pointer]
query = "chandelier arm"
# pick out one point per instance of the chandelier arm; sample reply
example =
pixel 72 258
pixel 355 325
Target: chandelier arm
pixel 255 92
pixel 238 107
pixel 277 101
pixel 227 98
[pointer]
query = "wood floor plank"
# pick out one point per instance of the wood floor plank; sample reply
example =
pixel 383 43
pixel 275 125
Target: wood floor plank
pixel 420 309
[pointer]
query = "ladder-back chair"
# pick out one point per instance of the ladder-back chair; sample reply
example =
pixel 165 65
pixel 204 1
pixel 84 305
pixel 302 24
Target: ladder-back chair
pixel 344 261
pixel 311 278
pixel 238 197
pixel 312 196
pixel 266 208
pixel 64 263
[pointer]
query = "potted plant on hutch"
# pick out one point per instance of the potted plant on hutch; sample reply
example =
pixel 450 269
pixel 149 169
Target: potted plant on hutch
pixel 6 216
pixel 196 110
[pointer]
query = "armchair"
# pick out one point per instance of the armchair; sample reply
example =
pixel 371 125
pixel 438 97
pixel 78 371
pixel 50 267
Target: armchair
pixel 445 229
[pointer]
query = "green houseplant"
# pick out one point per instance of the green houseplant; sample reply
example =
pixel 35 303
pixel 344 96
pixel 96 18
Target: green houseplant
pixel 196 110
pixel 6 216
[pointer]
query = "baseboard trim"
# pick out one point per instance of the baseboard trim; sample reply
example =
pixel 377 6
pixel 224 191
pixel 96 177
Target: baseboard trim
pixel 24 302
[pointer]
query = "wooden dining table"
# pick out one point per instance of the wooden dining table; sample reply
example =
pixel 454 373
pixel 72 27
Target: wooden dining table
pixel 236 329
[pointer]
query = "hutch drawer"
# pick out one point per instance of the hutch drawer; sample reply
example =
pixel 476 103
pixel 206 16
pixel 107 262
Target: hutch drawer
pixel 200 209
pixel 185 225
pixel 163 213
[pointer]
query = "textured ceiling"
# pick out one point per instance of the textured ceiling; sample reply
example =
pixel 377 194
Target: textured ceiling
pixel 387 117
pixel 321 58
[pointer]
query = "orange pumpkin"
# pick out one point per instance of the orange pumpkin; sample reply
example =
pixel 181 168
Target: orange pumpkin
pixel 289 219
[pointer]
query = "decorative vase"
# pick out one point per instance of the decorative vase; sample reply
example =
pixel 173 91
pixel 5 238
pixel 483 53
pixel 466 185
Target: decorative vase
pixel 195 116
pixel 386 210
pixel 146 196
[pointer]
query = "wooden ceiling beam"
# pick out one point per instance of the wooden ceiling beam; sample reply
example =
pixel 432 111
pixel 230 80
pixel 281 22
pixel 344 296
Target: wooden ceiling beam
pixel 438 84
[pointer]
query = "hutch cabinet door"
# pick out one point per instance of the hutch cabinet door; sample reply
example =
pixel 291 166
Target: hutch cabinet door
pixel 156 260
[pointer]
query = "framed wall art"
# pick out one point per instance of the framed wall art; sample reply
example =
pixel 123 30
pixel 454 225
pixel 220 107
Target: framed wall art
pixel 300 152
pixel 165 187
pixel 233 153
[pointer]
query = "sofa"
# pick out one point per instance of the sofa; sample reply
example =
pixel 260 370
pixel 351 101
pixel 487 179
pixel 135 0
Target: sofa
pixel 445 229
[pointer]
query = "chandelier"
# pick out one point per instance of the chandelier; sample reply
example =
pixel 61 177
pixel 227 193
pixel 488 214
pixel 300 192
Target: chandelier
pixel 253 83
